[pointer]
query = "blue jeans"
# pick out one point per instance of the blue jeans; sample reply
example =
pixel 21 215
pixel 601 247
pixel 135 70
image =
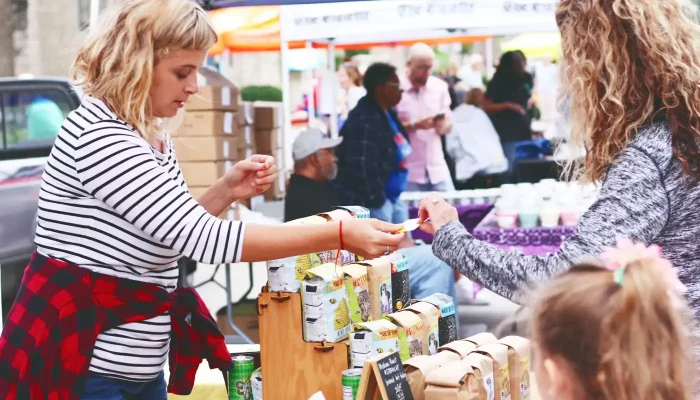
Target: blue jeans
pixel 509 152
pixel 104 388
pixel 444 186
pixel 428 274
pixel 395 212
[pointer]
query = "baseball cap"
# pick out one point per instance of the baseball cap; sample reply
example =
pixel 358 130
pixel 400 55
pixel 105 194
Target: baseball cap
pixel 311 141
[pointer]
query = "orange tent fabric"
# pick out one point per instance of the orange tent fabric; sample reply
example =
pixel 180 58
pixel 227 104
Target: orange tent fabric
pixel 242 29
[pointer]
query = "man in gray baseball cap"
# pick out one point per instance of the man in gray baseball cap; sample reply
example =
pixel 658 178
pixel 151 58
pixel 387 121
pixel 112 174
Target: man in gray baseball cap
pixel 310 188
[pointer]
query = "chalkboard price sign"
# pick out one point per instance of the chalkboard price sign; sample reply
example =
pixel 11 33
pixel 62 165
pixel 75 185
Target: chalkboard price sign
pixel 384 376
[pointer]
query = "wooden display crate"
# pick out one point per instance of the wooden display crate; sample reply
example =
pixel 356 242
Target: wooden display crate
pixel 293 369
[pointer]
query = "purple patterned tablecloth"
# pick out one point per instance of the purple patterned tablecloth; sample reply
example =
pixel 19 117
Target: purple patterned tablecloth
pixel 529 241
pixel 469 216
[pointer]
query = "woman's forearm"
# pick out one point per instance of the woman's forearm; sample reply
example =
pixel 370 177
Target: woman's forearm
pixel 216 199
pixel 495 108
pixel 272 242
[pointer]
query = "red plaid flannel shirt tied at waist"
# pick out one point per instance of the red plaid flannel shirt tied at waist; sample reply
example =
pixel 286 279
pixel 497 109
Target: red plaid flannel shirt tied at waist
pixel 50 333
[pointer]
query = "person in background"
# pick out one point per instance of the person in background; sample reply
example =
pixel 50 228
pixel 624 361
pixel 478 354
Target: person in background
pixel 425 112
pixel 474 145
pixel 472 74
pixel 310 188
pixel 453 80
pixel 350 80
pixel 507 102
pixel 311 192
pixel 115 215
pixel 372 158
pixel 627 318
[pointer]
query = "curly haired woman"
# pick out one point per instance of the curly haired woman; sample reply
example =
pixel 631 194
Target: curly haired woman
pixel 632 69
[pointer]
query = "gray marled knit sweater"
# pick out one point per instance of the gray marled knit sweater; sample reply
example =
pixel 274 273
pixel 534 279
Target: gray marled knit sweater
pixel 645 196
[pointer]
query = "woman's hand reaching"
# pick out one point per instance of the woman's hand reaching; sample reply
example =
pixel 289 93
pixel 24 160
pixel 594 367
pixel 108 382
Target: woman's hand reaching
pixel 371 238
pixel 435 212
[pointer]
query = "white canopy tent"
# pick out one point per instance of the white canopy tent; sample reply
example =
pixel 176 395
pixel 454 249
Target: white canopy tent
pixel 395 20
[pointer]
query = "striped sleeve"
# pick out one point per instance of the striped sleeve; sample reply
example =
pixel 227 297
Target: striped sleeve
pixel 120 169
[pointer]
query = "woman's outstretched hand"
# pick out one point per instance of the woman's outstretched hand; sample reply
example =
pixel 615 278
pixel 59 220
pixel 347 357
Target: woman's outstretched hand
pixel 435 212
pixel 371 238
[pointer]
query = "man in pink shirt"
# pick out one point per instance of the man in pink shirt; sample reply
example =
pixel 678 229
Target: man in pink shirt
pixel 425 112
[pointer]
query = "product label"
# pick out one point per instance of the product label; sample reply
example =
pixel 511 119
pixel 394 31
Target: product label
pixel 433 340
pixel 490 387
pixel 225 96
pixel 228 123
pixel 446 310
pixel 525 379
pixel 505 383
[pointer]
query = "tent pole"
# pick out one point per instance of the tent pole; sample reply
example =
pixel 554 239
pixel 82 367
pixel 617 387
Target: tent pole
pixel 286 106
pixel 331 70
pixel 489 58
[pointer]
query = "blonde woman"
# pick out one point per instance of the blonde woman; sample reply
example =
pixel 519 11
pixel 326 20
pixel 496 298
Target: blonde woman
pixel 632 69
pixel 98 308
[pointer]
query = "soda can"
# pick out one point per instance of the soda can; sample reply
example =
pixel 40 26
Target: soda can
pixel 239 378
pixel 351 382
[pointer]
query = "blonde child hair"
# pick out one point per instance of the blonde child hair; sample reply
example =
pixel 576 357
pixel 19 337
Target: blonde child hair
pixel 621 330
pixel 116 63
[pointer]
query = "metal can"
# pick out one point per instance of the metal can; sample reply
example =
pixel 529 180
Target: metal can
pixel 351 382
pixel 239 378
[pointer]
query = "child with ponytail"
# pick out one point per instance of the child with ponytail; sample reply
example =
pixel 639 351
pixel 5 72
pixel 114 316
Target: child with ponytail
pixel 614 333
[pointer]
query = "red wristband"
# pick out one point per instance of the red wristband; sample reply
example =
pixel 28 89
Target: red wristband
pixel 341 235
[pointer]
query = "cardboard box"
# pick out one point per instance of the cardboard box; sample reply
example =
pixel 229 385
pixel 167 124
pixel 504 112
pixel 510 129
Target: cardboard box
pixel 268 140
pixel 246 114
pixel 268 114
pixel 223 98
pixel 246 136
pixel 203 148
pixel 204 173
pixel 207 123
pixel 278 189
pixel 244 153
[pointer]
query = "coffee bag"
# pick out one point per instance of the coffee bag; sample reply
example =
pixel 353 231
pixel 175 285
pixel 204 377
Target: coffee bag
pixel 483 369
pixel 499 354
pixel 429 315
pixel 326 311
pixel 459 347
pixel 447 322
pixel 410 333
pixel 379 273
pixel 370 339
pixel 481 339
pixel 401 291
pixel 454 381
pixel 357 286
pixel 518 366
pixel 417 369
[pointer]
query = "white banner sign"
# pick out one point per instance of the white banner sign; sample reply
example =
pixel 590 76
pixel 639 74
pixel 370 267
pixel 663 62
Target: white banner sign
pixel 343 20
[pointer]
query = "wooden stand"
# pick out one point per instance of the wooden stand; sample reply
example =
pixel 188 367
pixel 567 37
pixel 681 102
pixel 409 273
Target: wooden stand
pixel 293 369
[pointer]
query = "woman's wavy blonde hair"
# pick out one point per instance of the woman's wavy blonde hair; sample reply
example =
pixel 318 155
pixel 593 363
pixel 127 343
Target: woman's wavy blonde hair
pixel 626 64
pixel 116 63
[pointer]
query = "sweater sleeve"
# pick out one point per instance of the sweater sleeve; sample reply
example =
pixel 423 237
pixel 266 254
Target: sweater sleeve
pixel 633 203
pixel 119 168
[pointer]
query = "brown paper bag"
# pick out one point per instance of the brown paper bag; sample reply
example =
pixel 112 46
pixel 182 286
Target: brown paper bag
pixel 483 369
pixel 430 315
pixel 460 347
pixel 499 354
pixel 379 273
pixel 410 333
pixel 519 366
pixel 446 357
pixel 454 381
pixel 417 369
pixel 481 339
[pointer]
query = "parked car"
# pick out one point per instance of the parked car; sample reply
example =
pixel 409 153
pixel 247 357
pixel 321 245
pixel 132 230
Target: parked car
pixel 31 113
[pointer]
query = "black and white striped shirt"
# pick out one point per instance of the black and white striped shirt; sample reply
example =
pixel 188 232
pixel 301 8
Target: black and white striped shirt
pixel 111 203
